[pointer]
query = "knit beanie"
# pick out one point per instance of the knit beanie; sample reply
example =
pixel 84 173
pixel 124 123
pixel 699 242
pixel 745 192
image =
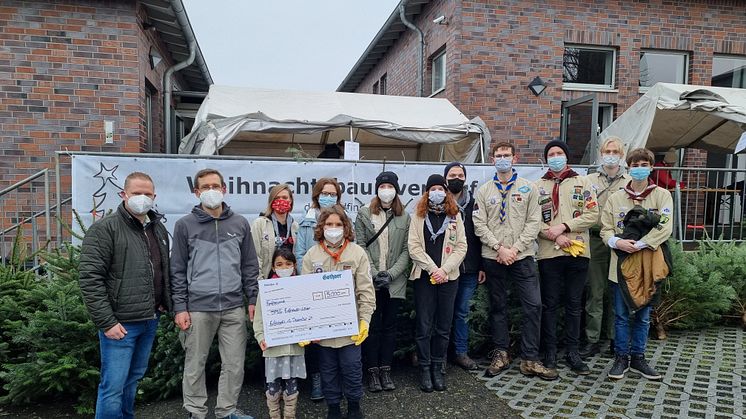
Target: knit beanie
pixel 556 143
pixel 452 165
pixel 388 177
pixel 433 180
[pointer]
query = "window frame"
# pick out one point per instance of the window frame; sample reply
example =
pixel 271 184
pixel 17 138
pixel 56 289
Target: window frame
pixel 433 90
pixel 727 56
pixel 588 86
pixel 685 54
pixel 382 84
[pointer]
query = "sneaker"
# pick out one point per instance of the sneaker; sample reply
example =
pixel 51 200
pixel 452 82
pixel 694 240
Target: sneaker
pixel 590 349
pixel 536 368
pixel 639 365
pixel 500 362
pixel 465 362
pixel 621 366
pixel 572 359
pixel 316 393
pixel 237 414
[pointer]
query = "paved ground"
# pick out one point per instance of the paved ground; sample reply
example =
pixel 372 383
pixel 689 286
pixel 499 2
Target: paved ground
pixel 704 376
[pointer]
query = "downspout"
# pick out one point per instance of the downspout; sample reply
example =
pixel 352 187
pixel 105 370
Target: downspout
pixel 167 88
pixel 421 60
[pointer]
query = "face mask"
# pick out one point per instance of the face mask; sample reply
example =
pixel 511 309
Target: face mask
pixel 455 185
pixel 333 235
pixel 503 165
pixel 557 163
pixel 327 201
pixel 639 173
pixel 437 197
pixel 386 195
pixel 139 204
pixel 284 273
pixel 281 206
pixel 211 199
pixel 610 160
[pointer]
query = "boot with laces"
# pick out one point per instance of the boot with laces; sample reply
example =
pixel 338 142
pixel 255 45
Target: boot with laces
pixel 536 368
pixel 576 364
pixel 500 362
pixel 620 367
pixel 639 365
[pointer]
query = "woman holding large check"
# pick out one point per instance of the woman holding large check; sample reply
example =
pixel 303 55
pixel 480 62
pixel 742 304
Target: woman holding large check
pixel 437 246
pixel 340 360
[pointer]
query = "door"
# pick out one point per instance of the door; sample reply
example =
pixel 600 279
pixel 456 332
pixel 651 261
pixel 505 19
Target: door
pixel 580 128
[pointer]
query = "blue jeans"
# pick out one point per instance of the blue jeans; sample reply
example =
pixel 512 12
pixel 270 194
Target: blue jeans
pixel 638 326
pixel 467 284
pixel 123 364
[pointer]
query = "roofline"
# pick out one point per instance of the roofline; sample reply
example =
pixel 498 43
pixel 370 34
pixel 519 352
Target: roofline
pixel 186 26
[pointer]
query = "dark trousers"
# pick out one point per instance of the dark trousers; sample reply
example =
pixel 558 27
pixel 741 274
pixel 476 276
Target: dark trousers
pixel 378 349
pixel 312 359
pixel 562 274
pixel 522 275
pixel 341 373
pixel 433 305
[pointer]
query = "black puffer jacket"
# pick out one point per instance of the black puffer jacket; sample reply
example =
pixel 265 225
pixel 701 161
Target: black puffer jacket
pixel 473 261
pixel 116 277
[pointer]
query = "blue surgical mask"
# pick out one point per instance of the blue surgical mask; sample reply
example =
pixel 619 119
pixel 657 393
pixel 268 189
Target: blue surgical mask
pixel 610 160
pixel 557 163
pixel 437 197
pixel 639 173
pixel 327 201
pixel 503 165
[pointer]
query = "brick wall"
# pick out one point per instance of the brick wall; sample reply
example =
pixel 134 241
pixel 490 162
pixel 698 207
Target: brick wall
pixel 65 67
pixel 502 45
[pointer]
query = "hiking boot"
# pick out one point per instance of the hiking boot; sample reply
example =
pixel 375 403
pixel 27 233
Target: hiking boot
pixel 536 368
pixel 572 359
pixel 439 377
pixel 621 366
pixel 465 362
pixel 334 412
pixel 590 349
pixel 426 379
pixel 500 362
pixel 291 404
pixel 353 410
pixel 639 365
pixel 316 393
pixel 374 380
pixel 386 382
pixel 273 404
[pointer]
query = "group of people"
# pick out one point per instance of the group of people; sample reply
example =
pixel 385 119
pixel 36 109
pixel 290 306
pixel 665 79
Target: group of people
pixel 595 240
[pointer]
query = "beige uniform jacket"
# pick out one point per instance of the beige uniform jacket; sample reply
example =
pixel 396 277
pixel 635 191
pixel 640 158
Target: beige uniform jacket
pixel 263 234
pixel 578 209
pixel 612 220
pixel 453 253
pixel 604 189
pixel 522 223
pixel 353 258
pixel 275 351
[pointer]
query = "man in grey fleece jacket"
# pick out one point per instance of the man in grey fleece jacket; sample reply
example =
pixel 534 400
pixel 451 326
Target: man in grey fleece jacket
pixel 213 267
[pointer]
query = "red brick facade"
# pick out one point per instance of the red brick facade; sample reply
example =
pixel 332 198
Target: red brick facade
pixel 495 48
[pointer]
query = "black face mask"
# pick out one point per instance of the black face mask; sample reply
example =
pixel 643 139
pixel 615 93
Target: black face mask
pixel 455 185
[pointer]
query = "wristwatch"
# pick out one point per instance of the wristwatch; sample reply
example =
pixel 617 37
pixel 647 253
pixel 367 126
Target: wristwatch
pixel 496 248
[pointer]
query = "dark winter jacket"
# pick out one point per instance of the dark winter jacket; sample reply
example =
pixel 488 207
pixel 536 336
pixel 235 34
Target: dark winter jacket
pixel 473 261
pixel 116 275
pixel 213 262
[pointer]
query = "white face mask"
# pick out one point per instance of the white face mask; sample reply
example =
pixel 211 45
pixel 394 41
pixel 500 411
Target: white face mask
pixel 211 199
pixel 437 197
pixel 139 204
pixel 386 195
pixel 333 235
pixel 610 160
pixel 284 273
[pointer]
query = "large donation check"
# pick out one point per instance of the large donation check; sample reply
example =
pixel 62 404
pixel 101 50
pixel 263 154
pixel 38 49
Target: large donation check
pixel 308 307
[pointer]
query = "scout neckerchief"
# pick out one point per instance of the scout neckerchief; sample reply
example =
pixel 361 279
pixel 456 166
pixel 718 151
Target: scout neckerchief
pixel 335 255
pixel 639 197
pixel 504 192
pixel 463 202
pixel 549 175
pixel 281 241
pixel 434 235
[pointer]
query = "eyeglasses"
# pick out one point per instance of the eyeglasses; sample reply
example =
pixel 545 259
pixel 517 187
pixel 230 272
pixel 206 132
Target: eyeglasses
pixel 329 195
pixel 205 188
pixel 503 156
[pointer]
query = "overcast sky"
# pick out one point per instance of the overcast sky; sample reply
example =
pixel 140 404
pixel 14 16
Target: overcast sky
pixel 289 44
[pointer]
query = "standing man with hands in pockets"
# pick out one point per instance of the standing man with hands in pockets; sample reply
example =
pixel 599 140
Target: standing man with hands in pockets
pixel 214 266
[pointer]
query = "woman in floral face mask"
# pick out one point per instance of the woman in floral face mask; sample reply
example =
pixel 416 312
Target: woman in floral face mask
pixel 274 227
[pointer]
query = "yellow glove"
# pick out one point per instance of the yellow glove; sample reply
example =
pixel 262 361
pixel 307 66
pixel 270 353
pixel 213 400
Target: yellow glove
pixel 304 343
pixel 360 337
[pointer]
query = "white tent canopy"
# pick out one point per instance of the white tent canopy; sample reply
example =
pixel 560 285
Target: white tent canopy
pixel 680 115
pixel 263 122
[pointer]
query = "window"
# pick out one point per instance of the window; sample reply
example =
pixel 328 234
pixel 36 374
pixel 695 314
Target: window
pixel 729 71
pixel 439 72
pixel 149 118
pixel 382 84
pixel 375 88
pixel 588 67
pixel 663 66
